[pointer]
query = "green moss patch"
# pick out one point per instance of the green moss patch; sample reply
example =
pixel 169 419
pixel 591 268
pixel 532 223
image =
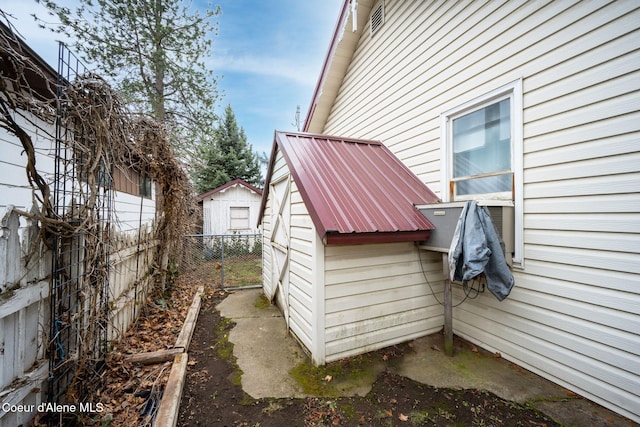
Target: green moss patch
pixel 336 378
pixel 262 301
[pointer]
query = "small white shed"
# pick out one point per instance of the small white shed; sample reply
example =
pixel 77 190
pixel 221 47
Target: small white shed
pixel 340 258
pixel 231 208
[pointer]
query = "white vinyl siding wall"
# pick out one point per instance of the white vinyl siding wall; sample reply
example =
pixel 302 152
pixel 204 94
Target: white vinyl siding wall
pixel 14 186
pixel 573 313
pixel 266 227
pixel 17 191
pixel 377 296
pixel 134 211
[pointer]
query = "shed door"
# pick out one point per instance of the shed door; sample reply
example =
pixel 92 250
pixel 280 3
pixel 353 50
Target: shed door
pixel 280 241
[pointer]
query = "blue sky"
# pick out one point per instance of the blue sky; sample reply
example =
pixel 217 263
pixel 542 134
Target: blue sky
pixel 270 54
pixel 267 55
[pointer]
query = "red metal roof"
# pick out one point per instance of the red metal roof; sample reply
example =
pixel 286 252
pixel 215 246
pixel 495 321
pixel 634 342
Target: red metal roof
pixel 356 191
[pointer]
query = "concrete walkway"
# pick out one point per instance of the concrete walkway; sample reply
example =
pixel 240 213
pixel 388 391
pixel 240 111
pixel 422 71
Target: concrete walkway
pixel 266 353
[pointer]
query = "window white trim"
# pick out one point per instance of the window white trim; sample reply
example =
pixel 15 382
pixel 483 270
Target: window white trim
pixel 514 91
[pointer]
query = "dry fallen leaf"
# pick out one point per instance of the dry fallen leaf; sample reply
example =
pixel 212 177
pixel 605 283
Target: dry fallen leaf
pixel 328 378
pixel 403 417
pixel 156 330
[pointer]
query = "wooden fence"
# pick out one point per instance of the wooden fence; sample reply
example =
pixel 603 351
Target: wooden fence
pixel 25 272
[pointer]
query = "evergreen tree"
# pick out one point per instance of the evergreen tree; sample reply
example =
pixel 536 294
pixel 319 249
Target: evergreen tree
pixel 226 156
pixel 154 52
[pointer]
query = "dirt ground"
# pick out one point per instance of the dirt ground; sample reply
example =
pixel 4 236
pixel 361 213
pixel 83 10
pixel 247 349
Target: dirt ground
pixel 213 395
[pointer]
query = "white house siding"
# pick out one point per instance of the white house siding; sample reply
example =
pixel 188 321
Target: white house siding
pixel 17 191
pixel 14 186
pixel 573 314
pixel 133 211
pixel 218 207
pixel 377 296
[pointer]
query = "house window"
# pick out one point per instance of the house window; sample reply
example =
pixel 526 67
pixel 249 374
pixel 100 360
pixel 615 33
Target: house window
pixel 239 218
pixel 145 186
pixel 482 153
pixel 133 183
pixel 101 174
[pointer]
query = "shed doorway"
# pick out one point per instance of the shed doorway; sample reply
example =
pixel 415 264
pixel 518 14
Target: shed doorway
pixel 280 241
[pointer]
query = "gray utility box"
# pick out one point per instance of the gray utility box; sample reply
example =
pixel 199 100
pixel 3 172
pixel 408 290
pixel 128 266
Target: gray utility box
pixel 444 216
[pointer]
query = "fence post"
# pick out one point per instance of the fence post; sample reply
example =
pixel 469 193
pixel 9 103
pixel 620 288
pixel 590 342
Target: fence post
pixel 222 262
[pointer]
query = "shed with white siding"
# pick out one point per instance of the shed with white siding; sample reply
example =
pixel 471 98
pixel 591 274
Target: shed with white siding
pixel 230 208
pixel 340 258
pixel 536 103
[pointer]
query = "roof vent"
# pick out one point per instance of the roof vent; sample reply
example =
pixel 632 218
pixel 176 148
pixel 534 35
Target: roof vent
pixel 377 17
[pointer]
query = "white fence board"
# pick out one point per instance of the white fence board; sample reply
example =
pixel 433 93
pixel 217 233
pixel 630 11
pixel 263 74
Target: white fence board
pixel 24 307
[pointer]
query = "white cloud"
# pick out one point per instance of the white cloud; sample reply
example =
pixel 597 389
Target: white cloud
pixel 283 39
pixel 299 71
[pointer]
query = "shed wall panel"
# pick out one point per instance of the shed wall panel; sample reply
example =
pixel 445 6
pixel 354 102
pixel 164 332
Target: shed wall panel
pixel 280 171
pixel 301 300
pixel 377 295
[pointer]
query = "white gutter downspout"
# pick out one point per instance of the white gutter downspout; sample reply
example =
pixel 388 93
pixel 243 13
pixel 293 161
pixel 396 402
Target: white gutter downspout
pixel 354 16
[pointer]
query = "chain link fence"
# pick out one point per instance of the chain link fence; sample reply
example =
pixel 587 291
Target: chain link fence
pixel 226 261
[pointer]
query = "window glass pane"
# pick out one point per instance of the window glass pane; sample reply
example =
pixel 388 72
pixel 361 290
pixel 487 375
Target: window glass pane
pixel 145 186
pixel 482 141
pixel 239 218
pixel 488 184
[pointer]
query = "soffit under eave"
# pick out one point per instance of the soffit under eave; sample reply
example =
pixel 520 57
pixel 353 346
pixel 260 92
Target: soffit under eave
pixel 339 64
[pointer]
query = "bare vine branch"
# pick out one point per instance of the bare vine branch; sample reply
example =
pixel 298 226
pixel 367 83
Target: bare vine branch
pixel 102 135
